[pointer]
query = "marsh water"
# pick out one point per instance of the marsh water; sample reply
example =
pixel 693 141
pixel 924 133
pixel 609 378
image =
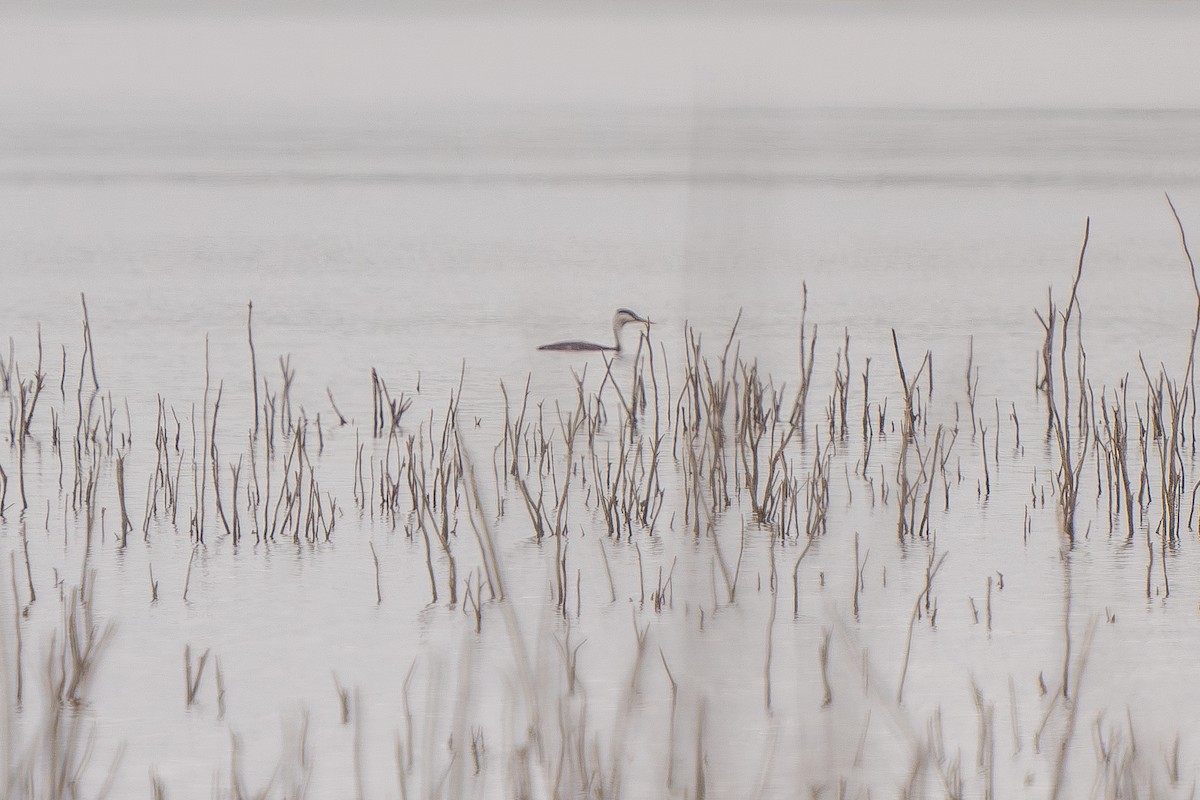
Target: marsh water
pixel 440 248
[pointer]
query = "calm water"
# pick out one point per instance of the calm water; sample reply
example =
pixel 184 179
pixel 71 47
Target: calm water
pixel 454 241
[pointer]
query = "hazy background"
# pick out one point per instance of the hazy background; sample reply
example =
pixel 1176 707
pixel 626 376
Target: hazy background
pixel 193 60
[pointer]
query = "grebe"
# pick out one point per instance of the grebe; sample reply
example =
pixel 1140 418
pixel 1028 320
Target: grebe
pixel 622 318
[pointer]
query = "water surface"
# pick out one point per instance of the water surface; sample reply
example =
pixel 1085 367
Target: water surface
pixel 444 246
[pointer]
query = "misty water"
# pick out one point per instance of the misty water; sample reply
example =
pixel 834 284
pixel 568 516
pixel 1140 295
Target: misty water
pixel 439 249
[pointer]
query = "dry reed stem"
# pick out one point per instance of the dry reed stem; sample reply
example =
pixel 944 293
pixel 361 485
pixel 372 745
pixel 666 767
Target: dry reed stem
pixel 378 589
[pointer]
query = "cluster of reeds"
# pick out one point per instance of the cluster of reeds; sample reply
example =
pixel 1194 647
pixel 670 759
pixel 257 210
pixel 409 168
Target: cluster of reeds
pixel 52 754
pixel 1066 421
pixel 914 490
pixel 435 475
pixel 1128 467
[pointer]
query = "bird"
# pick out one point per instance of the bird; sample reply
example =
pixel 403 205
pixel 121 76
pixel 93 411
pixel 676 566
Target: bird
pixel 622 318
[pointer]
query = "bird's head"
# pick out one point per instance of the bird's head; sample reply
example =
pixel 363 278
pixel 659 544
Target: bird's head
pixel 624 316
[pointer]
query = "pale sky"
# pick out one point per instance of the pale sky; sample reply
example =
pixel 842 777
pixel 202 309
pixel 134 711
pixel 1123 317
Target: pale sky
pixel 858 55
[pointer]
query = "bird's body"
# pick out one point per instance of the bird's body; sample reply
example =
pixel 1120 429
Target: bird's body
pixel 622 318
pixel 579 347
